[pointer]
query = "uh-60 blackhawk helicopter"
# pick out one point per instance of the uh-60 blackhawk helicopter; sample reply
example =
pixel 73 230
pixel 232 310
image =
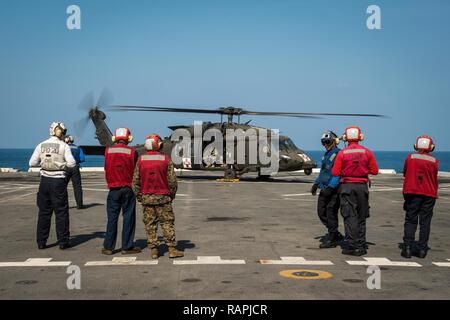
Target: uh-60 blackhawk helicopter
pixel 289 157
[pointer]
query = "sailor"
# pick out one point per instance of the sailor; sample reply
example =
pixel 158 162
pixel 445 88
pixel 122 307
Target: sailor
pixel 54 157
pixel 328 201
pixel 120 160
pixel 155 185
pixel 420 190
pixel 354 164
pixel 74 173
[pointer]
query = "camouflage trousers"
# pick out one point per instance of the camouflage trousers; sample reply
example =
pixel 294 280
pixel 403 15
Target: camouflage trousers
pixel 163 215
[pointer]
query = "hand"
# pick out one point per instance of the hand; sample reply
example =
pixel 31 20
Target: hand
pixel 314 189
pixel 139 198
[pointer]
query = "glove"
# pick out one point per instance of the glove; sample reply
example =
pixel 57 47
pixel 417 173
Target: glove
pixel 314 189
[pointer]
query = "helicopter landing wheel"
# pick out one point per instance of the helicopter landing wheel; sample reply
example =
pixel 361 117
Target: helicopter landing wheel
pixel 308 172
pixel 230 174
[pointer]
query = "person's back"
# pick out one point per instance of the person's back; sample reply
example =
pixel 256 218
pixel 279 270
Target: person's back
pixel 54 157
pixel 120 161
pixel 119 165
pixel 420 190
pixel 354 164
pixel 155 186
pixel 421 175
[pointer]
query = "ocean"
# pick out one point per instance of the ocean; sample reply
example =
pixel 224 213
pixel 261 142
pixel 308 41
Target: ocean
pixel 18 159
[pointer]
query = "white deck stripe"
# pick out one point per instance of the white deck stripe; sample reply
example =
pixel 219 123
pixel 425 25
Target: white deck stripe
pixel 18 197
pixel 128 261
pixel 297 261
pixel 383 262
pixel 442 264
pixel 37 262
pixel 208 260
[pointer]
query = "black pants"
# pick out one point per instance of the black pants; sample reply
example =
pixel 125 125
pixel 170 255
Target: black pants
pixel 75 175
pixel 52 197
pixel 125 200
pixel 418 209
pixel 328 208
pixel 355 210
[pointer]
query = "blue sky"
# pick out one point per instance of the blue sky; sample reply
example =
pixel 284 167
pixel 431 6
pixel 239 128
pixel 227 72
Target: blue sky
pixel 315 56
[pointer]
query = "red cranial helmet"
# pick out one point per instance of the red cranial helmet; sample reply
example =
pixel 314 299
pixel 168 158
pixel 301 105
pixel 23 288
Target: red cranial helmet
pixel 424 144
pixel 122 134
pixel 352 134
pixel 153 142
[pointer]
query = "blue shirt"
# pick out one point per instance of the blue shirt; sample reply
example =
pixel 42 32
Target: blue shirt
pixel 77 153
pixel 326 178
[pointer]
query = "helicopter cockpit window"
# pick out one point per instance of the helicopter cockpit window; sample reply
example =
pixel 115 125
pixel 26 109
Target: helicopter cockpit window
pixel 288 144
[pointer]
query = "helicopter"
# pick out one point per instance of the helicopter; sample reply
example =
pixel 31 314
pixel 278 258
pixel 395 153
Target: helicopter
pixel 214 156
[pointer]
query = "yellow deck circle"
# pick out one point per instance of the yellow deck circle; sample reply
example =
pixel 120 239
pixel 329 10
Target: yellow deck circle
pixel 302 274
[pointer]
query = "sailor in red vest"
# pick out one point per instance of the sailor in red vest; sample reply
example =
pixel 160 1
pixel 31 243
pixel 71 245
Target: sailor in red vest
pixel 155 185
pixel 120 160
pixel 354 164
pixel 420 190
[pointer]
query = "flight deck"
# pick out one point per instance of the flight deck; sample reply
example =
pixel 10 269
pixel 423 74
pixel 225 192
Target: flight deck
pixel 246 240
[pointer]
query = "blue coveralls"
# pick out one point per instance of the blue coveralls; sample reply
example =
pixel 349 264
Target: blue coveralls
pixel 328 203
pixel 75 175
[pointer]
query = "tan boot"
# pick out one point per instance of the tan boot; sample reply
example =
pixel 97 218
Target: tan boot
pixel 174 253
pixel 154 253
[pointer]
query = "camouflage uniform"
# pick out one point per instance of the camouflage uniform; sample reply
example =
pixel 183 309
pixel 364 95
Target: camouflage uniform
pixel 158 209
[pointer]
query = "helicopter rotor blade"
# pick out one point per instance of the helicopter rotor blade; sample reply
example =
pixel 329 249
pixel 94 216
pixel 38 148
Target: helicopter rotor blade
pixel 163 109
pixel 313 114
pixel 239 111
pixel 80 126
pixel 106 98
pixel 87 103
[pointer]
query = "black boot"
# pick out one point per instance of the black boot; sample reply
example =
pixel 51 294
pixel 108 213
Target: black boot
pixel 42 246
pixel 64 246
pixel 354 252
pixel 420 253
pixel 331 241
pixel 406 252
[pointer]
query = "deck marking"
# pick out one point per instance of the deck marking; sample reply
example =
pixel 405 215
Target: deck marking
pixel 383 262
pixel 18 197
pixel 207 260
pixel 36 262
pixel 442 264
pixel 126 261
pixel 305 274
pixel 297 194
pixel 297 261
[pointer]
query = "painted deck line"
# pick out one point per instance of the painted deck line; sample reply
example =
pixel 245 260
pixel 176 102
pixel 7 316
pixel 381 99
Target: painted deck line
pixel 442 264
pixel 207 260
pixel 128 261
pixel 297 261
pixel 383 262
pixel 36 262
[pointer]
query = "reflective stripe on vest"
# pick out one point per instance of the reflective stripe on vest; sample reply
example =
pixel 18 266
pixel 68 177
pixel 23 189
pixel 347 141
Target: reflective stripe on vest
pixel 348 151
pixel 155 157
pixel 423 157
pixel 119 150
